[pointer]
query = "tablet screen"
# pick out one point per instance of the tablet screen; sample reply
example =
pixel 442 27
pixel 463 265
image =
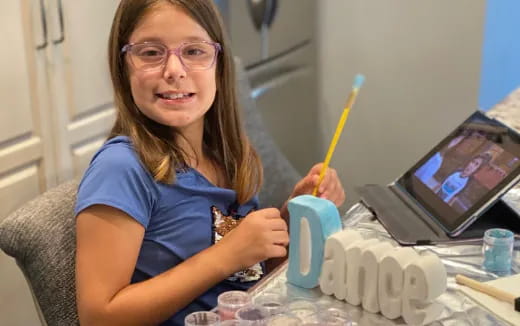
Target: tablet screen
pixel 465 171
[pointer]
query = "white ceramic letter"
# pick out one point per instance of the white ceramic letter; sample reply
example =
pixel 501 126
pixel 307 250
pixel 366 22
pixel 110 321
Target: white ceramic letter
pixel 391 278
pixel 355 274
pixel 333 273
pixel 370 260
pixel 424 280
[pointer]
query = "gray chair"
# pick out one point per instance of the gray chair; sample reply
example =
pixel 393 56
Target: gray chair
pixel 279 175
pixel 40 235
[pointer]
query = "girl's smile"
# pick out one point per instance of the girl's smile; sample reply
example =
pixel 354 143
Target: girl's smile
pixel 175 97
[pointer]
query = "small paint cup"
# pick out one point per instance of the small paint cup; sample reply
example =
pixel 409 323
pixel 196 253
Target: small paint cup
pixel 498 250
pixel 305 310
pixel 229 302
pixel 253 315
pixel 202 318
pixel 274 303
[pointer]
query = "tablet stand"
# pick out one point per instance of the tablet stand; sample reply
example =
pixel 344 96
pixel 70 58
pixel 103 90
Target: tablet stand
pixel 499 215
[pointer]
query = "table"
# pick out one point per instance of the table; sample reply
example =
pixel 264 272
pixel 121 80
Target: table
pixel 458 259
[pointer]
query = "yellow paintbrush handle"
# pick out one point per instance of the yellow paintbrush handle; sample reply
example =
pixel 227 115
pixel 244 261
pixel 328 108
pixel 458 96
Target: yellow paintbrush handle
pixel 332 147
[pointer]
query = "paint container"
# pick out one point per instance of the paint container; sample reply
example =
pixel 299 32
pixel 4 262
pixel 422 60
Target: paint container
pixel 252 315
pixel 274 303
pixel 305 310
pixel 202 318
pixel 498 250
pixel 229 302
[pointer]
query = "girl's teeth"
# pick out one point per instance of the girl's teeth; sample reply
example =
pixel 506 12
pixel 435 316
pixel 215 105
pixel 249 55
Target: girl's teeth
pixel 174 96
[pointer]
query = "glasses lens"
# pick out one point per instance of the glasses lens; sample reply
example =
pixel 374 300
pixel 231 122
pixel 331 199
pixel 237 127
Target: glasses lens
pixel 147 56
pixel 198 56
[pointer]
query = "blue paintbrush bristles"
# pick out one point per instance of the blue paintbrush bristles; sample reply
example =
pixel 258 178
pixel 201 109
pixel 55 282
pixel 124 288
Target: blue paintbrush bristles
pixel 358 81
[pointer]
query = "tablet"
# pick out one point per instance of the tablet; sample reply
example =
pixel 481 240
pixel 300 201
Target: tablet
pixel 465 173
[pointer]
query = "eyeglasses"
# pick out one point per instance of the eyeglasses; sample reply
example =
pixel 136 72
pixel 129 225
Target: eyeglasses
pixel 149 56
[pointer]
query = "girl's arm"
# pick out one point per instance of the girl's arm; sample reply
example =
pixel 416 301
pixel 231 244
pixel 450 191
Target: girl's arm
pixel 108 244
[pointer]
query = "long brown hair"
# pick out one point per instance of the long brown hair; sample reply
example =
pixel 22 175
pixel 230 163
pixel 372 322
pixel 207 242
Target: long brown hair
pixel 155 143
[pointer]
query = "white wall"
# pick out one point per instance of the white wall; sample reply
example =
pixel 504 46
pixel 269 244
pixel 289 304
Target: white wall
pixel 422 63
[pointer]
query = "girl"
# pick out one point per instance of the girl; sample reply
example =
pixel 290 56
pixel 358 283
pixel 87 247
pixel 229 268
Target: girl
pixel 457 181
pixel 167 214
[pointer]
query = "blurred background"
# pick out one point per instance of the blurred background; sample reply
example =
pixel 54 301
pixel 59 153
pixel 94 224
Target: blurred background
pixel 428 65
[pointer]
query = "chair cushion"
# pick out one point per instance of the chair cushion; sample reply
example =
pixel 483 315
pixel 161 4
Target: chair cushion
pixel 279 175
pixel 41 237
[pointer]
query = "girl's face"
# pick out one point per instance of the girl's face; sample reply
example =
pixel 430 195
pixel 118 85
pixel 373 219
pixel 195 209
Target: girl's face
pixel 472 166
pixel 170 94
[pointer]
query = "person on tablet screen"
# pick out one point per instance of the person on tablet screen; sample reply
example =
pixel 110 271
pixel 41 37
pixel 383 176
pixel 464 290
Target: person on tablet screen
pixel 455 182
pixel 426 172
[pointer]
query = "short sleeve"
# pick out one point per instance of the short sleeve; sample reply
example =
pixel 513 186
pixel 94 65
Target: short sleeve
pixel 116 178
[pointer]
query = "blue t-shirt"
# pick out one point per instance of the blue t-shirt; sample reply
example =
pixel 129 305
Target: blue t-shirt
pixel 452 186
pixel 180 220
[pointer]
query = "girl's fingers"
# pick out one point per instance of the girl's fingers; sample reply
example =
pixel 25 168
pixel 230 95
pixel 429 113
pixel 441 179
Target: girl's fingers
pixel 309 181
pixel 277 251
pixel 306 185
pixel 280 238
pixel 329 181
pixel 339 196
pixel 325 183
pixel 316 169
pixel 314 180
pixel 277 225
pixel 331 188
pixel 336 198
pixel 300 185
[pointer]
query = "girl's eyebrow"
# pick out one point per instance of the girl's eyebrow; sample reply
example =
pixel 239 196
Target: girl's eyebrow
pixel 155 39
pixel 149 39
pixel 197 39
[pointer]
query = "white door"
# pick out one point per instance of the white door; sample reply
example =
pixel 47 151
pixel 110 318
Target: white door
pixel 82 91
pixel 26 162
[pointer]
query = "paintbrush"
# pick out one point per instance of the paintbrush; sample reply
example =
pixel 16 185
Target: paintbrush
pixel 489 290
pixel 358 81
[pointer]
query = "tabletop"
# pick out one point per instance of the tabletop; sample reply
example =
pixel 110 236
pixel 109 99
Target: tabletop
pixel 458 259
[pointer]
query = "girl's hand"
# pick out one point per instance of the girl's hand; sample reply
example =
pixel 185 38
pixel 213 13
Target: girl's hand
pixel 260 235
pixel 330 187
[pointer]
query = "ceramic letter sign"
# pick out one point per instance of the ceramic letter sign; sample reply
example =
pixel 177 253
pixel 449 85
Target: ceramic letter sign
pixel 394 281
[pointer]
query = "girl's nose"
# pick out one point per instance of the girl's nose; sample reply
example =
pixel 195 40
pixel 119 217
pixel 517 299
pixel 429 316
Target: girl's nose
pixel 173 67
